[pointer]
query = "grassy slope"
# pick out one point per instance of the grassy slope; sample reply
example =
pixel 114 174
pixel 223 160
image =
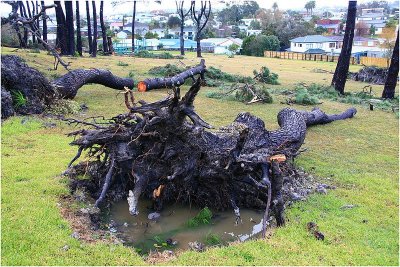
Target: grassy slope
pixel 361 156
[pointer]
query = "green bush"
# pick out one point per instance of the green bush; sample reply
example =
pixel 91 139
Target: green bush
pixel 18 98
pixel 213 240
pixel 203 217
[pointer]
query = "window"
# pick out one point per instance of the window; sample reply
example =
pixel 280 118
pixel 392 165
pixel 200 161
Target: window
pixel 319 45
pixel 370 43
pixel 357 43
pixel 331 45
pixel 309 45
pixel 300 45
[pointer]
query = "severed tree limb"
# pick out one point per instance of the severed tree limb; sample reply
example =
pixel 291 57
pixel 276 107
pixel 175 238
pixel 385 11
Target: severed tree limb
pixel 106 184
pixel 177 80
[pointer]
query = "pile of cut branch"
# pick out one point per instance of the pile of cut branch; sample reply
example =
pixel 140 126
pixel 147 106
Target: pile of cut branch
pixel 370 74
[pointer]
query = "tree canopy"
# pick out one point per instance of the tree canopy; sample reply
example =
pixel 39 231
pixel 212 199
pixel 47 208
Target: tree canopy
pixel 256 45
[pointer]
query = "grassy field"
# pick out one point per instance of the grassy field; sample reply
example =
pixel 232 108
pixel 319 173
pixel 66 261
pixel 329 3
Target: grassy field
pixel 360 156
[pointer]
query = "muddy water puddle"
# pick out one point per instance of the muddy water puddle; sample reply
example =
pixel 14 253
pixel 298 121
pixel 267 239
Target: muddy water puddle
pixel 171 231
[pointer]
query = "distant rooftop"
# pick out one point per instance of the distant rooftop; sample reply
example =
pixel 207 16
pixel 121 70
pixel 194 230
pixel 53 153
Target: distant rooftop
pixel 312 39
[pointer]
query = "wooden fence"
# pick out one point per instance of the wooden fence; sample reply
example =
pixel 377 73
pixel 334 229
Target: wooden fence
pixel 302 56
pixel 375 61
pixel 367 61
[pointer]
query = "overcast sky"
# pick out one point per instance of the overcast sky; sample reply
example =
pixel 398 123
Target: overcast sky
pixel 169 5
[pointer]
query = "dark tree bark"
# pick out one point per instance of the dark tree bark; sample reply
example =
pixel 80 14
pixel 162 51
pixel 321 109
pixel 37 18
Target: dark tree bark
pixel 200 19
pixel 39 92
pixel 182 15
pixel 30 16
pixel 393 73
pixel 69 20
pixel 44 23
pixel 94 44
pixel 103 29
pixel 133 26
pixel 177 80
pixel 37 22
pixel 342 67
pixel 14 13
pixel 155 145
pixel 23 14
pixel 89 27
pixel 78 29
pixel 61 29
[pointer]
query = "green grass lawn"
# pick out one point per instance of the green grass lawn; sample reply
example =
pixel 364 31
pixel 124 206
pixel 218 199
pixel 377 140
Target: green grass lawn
pixel 360 156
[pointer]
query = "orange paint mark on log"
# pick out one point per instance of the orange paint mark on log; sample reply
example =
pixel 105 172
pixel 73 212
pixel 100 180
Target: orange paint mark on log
pixel 157 191
pixel 278 157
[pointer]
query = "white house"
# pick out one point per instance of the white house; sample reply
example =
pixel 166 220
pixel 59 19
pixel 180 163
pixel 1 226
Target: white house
pixel 247 22
pixel 188 32
pixel 159 31
pixel 313 44
pixel 220 45
pixel 253 32
pixel 140 28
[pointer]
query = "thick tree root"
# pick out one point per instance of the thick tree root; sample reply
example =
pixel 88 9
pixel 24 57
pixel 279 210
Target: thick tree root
pixel 154 146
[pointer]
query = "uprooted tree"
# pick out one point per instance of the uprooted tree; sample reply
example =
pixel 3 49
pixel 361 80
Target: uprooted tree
pixel 35 92
pixel 165 152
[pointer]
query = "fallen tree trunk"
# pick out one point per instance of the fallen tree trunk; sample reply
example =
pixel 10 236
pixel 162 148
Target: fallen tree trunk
pixel 177 80
pixel 68 85
pixel 154 151
pixel 36 92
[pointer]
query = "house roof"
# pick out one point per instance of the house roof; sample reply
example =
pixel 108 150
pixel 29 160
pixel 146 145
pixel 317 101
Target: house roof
pixel 328 26
pixel 175 43
pixel 328 22
pixel 312 39
pixel 137 24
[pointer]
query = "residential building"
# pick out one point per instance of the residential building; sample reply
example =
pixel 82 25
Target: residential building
pixel 175 44
pixel 219 45
pixel 116 26
pixel 332 26
pixel 253 32
pixel 159 31
pixel 305 44
pixel 140 28
pixel 189 33
pixel 373 17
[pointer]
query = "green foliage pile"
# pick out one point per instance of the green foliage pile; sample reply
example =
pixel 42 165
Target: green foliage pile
pixel 213 240
pixel 122 64
pixel 303 97
pixel 147 54
pixel 239 93
pixel 266 76
pixel 216 77
pixel 166 71
pixel 203 217
pixel 64 107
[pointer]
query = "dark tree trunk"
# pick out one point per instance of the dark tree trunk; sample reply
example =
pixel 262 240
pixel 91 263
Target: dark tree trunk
pixel 133 26
pixel 89 27
pixel 78 30
pixel 44 23
pixel 23 13
pixel 200 19
pixel 182 15
pixel 156 145
pixel 30 16
pixel 177 80
pixel 94 45
pixel 69 20
pixel 342 67
pixel 391 80
pixel 61 29
pixel 16 76
pixel 103 29
pixel 37 22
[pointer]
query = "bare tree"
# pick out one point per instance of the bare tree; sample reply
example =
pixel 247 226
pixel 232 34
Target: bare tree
pixel 44 22
pixel 182 15
pixel 133 26
pixel 78 29
pixel 393 73
pixel 22 11
pixel 89 26
pixel 61 29
pixel 342 67
pixel 103 29
pixel 200 18
pixel 69 20
pixel 94 43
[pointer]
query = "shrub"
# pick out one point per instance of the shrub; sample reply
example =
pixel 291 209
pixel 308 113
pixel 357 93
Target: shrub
pixel 213 240
pixel 18 98
pixel 303 97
